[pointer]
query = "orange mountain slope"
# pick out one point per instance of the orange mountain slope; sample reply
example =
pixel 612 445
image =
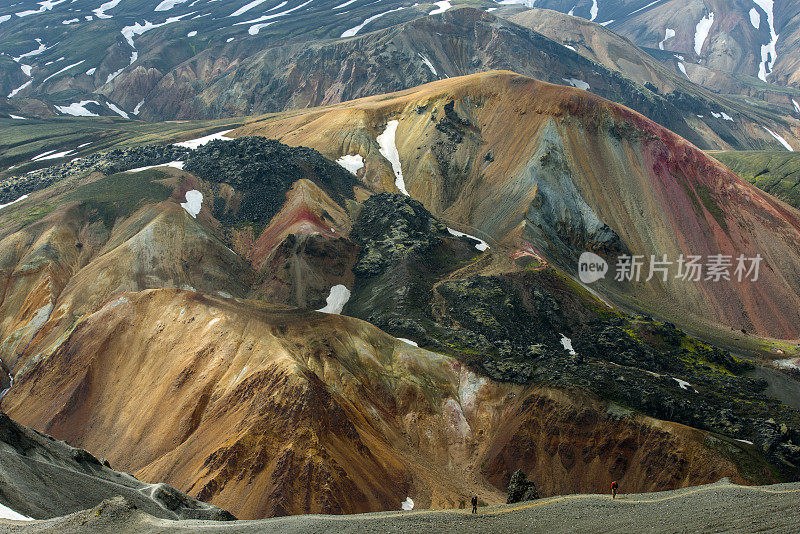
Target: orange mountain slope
pixel 496 151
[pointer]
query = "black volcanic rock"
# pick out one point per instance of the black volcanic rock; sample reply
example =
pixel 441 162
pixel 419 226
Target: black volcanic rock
pixel 521 489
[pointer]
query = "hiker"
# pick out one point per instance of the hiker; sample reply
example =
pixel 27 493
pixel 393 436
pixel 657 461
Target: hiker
pixel 614 487
pixel 474 504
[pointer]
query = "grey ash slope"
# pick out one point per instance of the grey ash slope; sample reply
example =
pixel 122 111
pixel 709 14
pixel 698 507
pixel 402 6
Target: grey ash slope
pixel 41 477
pixel 711 508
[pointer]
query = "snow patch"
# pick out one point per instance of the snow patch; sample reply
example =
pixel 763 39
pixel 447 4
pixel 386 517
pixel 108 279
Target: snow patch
pixel 682 68
pixel 47 5
pixel 755 18
pixel 768 53
pixel 441 7
pixel 100 12
pixel 194 202
pixel 200 141
pixel 408 504
pixel 230 39
pixel 19 118
pixel 336 300
pixel 138 107
pixel 593 10
pixel 684 384
pixel 701 32
pixel 669 33
pixel 166 5
pixel 780 139
pixel 791 363
pixel 580 84
pixel 91 71
pixel 745 441
pixel 726 116
pixel 354 30
pixel 388 149
pixel 351 163
pixel 567 344
pixel 8 513
pixel 70 21
pixel 78 109
pixel 482 245
pixel 20 199
pixel 192 33
pixel 4 18
pixel 412 343
pixel 340 6
pixel 42 47
pixel 570 47
pixel 796 105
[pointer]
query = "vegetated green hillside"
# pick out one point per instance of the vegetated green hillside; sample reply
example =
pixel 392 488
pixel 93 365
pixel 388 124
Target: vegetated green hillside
pixel 776 172
pixel 20 141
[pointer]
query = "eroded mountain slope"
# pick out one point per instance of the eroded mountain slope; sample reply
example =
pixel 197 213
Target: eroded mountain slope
pixel 532 164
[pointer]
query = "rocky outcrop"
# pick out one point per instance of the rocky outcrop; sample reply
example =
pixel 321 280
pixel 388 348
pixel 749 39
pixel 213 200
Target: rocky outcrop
pixel 521 489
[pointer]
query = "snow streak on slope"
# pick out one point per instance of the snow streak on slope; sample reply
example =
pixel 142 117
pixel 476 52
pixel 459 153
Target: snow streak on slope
pixel 20 88
pixel 388 149
pixel 166 5
pixel 354 30
pixel 780 139
pixel 644 7
pixel 63 70
pixel 117 110
pixel 428 64
pixel 768 54
pixel 247 7
pixel 255 28
pixel 100 12
pixel 200 141
pixel 20 199
pixel 593 10
pixel 701 32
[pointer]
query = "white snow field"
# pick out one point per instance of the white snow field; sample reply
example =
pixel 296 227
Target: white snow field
pixel 194 202
pixel 336 300
pixel 351 162
pixel 701 32
pixel 388 150
pixel 200 141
